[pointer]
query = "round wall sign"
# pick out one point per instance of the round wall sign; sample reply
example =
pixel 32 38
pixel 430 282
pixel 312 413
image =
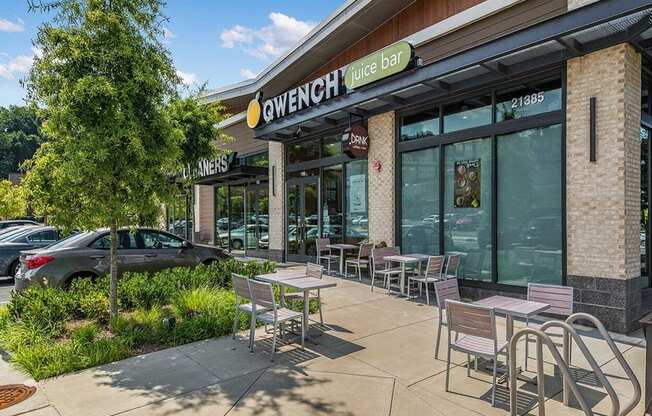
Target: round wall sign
pixel 355 142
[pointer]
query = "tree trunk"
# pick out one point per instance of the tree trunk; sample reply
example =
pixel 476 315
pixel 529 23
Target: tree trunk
pixel 113 286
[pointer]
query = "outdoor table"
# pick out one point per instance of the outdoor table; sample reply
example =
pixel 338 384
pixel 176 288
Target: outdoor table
pixel 306 284
pixel 404 260
pixel 342 248
pixel 280 276
pixel 512 307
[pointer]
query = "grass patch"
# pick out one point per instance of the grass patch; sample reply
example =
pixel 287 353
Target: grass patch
pixel 49 332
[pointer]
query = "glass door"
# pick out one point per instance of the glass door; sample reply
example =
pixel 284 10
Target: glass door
pixel 302 218
pixel 257 215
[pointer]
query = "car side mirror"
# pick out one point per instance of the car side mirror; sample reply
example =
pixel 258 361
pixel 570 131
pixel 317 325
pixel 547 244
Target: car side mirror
pixel 185 245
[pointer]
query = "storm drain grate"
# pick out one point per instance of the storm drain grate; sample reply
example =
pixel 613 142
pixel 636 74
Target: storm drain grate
pixel 12 394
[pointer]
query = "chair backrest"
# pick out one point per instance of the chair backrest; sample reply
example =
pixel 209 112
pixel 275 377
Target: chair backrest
pixel 446 290
pixel 262 294
pixel 378 254
pixel 321 244
pixel 560 298
pixel 435 266
pixel 470 319
pixel 365 250
pixel 314 270
pixel 240 286
pixel 453 264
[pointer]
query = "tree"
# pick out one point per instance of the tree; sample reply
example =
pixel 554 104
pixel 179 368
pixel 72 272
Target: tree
pixel 103 83
pixel 13 203
pixel 20 136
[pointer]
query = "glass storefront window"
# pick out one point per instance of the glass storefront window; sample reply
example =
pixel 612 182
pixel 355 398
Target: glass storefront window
pixel 221 217
pixel 236 220
pixel 467 207
pixel 529 211
pixel 527 100
pixel 420 125
pixel 258 160
pixel 645 201
pixel 420 201
pixel 468 113
pixel 331 215
pixel 357 211
pixel 303 152
pixel 179 219
pixel 331 146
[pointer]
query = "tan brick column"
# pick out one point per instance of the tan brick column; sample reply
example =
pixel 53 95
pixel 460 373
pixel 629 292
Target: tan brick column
pixel 382 192
pixel 204 227
pixel 276 200
pixel 603 197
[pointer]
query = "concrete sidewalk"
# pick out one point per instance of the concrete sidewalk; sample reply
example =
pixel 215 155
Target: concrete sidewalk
pixel 376 358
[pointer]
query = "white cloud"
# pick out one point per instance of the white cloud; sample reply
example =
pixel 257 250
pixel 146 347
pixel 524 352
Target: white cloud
pixel 9 26
pixel 168 35
pixel 18 65
pixel 268 41
pixel 247 73
pixel 187 78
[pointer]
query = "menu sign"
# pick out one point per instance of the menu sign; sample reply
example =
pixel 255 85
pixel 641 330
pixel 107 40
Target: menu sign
pixel 466 192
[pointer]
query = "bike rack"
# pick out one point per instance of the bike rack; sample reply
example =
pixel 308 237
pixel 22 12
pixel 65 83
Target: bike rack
pixel 540 337
pixel 614 349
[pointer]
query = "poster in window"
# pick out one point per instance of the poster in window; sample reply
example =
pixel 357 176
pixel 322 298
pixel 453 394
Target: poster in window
pixel 357 196
pixel 467 184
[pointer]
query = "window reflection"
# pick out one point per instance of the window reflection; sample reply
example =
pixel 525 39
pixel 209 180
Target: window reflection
pixel 420 125
pixel 468 113
pixel 467 207
pixel 527 100
pixel 529 206
pixel 332 203
pixel 357 211
pixel 420 201
pixel 303 152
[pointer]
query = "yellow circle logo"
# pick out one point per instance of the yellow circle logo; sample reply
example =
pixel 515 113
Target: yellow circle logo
pixel 253 113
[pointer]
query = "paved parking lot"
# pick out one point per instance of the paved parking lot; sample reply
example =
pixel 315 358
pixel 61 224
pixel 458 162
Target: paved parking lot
pixel 5 290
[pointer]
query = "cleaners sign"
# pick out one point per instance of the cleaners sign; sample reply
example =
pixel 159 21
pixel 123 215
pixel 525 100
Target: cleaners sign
pixel 384 63
pixel 208 167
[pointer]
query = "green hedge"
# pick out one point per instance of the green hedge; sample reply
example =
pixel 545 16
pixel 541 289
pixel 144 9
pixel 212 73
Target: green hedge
pixel 50 331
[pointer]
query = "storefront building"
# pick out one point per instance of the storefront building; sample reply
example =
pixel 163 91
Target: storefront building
pixel 513 132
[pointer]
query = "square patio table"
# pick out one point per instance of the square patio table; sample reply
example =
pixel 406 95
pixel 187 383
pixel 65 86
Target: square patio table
pixel 513 307
pixel 279 276
pixel 403 261
pixel 306 284
pixel 342 248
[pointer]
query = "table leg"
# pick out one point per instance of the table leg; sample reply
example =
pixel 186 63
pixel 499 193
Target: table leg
pixel 341 262
pixel 509 327
pixel 306 312
pixel 403 278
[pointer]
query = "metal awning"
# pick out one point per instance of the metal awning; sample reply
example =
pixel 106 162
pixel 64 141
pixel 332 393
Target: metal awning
pixel 235 174
pixel 547 44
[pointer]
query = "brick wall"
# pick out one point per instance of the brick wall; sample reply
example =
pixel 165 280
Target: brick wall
pixel 382 192
pixel 603 197
pixel 276 200
pixel 204 228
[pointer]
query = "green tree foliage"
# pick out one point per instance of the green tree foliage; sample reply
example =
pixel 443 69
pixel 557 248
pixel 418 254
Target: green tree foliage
pixel 13 203
pixel 104 83
pixel 20 136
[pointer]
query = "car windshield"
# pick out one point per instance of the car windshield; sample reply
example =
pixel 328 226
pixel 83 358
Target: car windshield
pixel 69 241
pixel 13 236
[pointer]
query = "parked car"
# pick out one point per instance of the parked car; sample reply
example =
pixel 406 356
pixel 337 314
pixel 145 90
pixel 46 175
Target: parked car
pixel 5 232
pixel 16 223
pixel 238 237
pixel 87 254
pixel 25 238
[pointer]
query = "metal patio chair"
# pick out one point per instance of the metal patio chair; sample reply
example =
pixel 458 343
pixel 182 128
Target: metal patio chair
pixel 322 248
pixel 382 267
pixel 479 337
pixel 316 271
pixel 444 290
pixel 362 261
pixel 264 296
pixel 452 266
pixel 432 274
pixel 560 299
pixel 241 288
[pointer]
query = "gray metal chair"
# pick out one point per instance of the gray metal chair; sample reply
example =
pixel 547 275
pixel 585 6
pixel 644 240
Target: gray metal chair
pixel 264 296
pixel 325 253
pixel 241 288
pixel 452 266
pixel 444 290
pixel 560 299
pixel 432 274
pixel 362 261
pixel 316 271
pixel 479 337
pixel 382 267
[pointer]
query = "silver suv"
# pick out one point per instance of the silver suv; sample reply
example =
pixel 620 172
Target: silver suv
pixel 87 254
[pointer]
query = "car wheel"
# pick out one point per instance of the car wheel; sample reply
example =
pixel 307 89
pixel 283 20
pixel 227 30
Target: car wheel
pixel 13 269
pixel 236 244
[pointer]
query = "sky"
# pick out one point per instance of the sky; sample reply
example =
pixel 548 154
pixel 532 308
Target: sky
pixel 215 41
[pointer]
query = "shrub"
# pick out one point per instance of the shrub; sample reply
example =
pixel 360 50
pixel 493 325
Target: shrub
pixel 203 313
pixel 45 308
pixel 143 327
